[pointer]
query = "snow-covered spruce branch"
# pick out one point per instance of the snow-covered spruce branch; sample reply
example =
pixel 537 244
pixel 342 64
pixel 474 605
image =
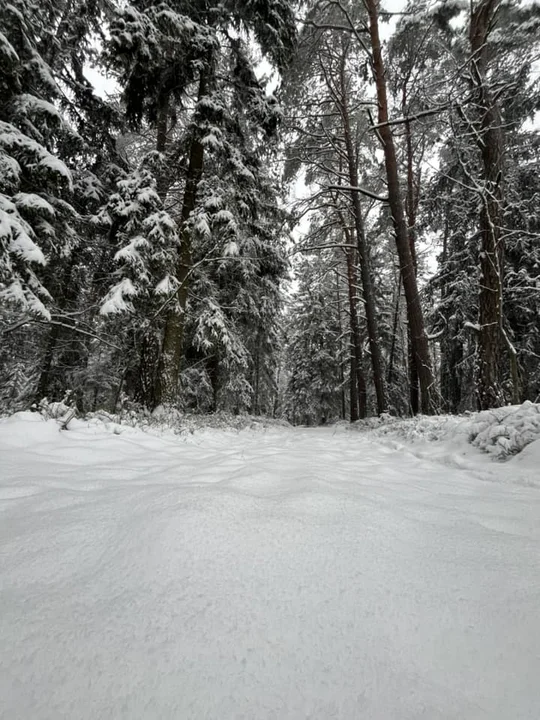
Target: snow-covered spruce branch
pixel 205 260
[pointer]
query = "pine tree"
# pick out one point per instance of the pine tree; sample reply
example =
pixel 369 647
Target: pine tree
pixel 317 353
pixel 491 101
pixel 36 186
pixel 329 146
pixel 184 53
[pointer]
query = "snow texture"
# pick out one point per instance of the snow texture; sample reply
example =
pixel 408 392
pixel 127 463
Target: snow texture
pixel 16 231
pixel 56 166
pixel 33 203
pixel 503 433
pixel 117 299
pixel 280 573
pixel 167 286
pixel 7 49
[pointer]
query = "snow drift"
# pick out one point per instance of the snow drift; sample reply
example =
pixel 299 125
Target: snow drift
pixel 263 573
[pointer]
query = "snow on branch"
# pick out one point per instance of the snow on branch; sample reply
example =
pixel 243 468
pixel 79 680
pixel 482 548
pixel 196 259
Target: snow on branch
pixel 359 189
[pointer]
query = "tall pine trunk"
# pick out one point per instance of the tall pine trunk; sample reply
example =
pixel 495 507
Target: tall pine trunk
pixel 341 370
pixel 365 269
pixel 419 340
pixel 359 398
pixel 149 342
pixel 173 337
pixel 489 138
pixel 411 204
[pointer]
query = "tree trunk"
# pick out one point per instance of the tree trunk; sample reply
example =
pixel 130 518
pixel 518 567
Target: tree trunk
pixel 365 269
pixel 414 387
pixel 162 137
pixel 451 360
pixel 353 382
pixel 149 344
pixel 451 345
pixel 419 341
pixel 256 402
pixel 171 352
pixel 341 371
pixel 66 295
pixel 489 138
pixel 392 354
pixel 356 340
pixel 212 368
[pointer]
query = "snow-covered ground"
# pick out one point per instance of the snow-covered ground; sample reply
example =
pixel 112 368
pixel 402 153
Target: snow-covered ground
pixel 509 434
pixel 272 573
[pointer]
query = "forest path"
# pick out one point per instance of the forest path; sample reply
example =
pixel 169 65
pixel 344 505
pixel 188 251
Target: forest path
pixel 285 573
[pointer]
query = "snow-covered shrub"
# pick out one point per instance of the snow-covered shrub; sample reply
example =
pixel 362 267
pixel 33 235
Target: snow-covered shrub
pixel 54 410
pixel 505 431
pixel 165 419
pixel 501 432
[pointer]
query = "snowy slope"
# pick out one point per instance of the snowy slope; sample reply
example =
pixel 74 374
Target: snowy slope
pixel 286 574
pixel 510 436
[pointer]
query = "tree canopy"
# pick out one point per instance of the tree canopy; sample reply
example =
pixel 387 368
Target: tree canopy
pixel 313 209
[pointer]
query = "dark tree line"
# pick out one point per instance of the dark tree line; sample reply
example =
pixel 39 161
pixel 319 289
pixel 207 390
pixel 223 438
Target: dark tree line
pixel 141 236
pixel 421 176
pixel 145 249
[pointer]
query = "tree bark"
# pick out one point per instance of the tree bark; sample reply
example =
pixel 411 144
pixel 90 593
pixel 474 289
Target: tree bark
pixel 414 387
pixel 392 354
pixel 341 371
pixel 419 341
pixel 490 141
pixel 162 136
pixel 149 344
pixel 356 342
pixel 171 351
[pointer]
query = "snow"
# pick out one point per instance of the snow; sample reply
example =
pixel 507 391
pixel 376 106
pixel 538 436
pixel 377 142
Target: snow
pixel 10 170
pixel 130 252
pixel 167 286
pixel 17 231
pixel 7 49
pixel 503 433
pixel 202 226
pixel 148 196
pixel 32 105
pixel 281 573
pixel 231 249
pixel 117 299
pixel 31 202
pixel 56 166
pixel 21 243
pixel 14 293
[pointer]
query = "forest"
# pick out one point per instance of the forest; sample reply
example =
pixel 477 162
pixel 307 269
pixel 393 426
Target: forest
pixel 312 210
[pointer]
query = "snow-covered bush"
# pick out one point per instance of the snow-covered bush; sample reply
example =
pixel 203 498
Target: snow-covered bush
pixel 505 431
pixel 54 410
pixel 167 419
pixel 502 432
